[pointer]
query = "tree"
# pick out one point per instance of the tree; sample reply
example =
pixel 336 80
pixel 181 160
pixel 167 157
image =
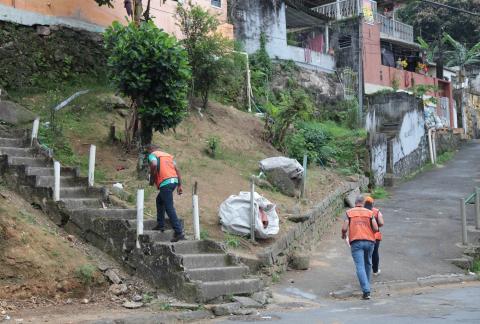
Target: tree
pixel 134 8
pixel 205 46
pixel 460 55
pixel 431 21
pixel 150 67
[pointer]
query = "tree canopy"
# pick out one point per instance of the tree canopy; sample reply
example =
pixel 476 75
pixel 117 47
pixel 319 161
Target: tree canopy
pixel 430 21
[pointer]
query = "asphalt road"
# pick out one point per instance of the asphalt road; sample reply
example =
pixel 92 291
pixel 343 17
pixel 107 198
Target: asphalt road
pixel 422 231
pixel 460 304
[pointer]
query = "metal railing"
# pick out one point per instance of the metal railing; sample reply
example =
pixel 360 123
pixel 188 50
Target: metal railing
pixel 345 8
pixel 474 198
pixel 394 28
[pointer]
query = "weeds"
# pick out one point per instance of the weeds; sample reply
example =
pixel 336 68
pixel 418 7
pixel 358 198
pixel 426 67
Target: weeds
pixel 380 193
pixel 232 241
pixel 147 298
pixel 445 157
pixel 85 273
pixel 476 266
pixel 204 235
pixel 275 277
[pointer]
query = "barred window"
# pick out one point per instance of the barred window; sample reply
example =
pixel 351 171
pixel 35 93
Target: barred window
pixel 216 3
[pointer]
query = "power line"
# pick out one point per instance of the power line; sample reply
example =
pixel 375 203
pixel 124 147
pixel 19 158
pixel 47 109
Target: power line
pixel 452 8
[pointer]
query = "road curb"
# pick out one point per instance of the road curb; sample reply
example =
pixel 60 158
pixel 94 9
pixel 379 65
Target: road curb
pixel 430 281
pixel 180 317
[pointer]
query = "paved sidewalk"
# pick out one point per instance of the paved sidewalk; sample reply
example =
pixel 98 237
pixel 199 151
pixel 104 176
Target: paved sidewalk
pixel 422 230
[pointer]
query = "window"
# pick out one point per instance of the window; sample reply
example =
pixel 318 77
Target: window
pixel 216 3
pixel 345 41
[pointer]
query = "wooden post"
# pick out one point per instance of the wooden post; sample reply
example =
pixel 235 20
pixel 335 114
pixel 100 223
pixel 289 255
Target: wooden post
pixel 464 222
pixel 91 166
pixel 304 180
pixel 140 201
pixel 56 176
pixel 196 212
pixel 252 209
pixel 36 124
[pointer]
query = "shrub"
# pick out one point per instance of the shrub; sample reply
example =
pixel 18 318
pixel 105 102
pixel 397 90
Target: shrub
pixel 232 241
pixel 85 273
pixel 213 146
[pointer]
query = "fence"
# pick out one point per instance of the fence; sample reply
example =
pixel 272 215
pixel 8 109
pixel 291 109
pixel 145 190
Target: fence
pixel 395 28
pixel 347 8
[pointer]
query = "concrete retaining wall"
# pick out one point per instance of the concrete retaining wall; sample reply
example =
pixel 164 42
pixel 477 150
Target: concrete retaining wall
pixel 302 235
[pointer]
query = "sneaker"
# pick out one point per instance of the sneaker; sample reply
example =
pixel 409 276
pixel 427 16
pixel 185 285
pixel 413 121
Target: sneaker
pixel 177 237
pixel 366 296
pixel 158 228
pixel 377 273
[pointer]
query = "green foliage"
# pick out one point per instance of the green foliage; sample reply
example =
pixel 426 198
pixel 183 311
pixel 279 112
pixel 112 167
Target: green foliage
pixel 431 50
pixel 207 49
pixel 232 241
pixel 445 157
pixel 343 112
pixel 261 73
pixel 476 266
pixel 149 66
pixel 328 143
pixel 380 193
pixel 213 146
pixel 275 277
pixel 419 90
pixel 204 235
pixel 147 298
pixel 430 21
pixel 85 273
pixel 231 84
pixel 395 84
pixel 460 55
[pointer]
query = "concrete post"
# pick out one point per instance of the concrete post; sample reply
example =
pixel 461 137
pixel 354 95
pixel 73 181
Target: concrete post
pixel 56 176
pixel 327 38
pixel 196 213
pixel 304 182
pixel 140 200
pixel 464 222
pixel 36 124
pixel 91 166
pixel 249 87
pixel 252 209
pixel 434 145
pixel 477 208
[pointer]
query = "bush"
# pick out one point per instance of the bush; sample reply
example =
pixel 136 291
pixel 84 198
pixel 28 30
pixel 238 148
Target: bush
pixel 213 146
pixel 85 273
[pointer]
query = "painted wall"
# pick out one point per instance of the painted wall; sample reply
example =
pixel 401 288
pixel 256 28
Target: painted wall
pixel 253 17
pixel 88 15
pixel 397 135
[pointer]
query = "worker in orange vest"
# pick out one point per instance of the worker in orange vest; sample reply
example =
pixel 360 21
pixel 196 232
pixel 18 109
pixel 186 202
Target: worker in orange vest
pixel 369 204
pixel 165 176
pixel 360 224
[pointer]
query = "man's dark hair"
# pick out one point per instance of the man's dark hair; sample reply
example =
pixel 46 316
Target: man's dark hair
pixel 151 147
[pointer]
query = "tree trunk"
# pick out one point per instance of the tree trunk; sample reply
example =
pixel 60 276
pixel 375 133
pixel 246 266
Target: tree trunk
pixel 137 11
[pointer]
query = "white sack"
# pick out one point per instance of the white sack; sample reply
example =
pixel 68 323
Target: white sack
pixel 290 166
pixel 235 215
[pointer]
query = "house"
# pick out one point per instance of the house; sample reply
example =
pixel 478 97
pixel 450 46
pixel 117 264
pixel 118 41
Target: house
pixel 86 14
pixel 293 31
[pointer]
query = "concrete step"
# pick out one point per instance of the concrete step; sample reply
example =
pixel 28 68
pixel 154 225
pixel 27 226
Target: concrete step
pixel 11 142
pixel 48 171
pixel 157 236
pixel 126 214
pixel 81 192
pixel 65 181
pixel 16 151
pixel 191 247
pixel 218 273
pixel 213 289
pixel 205 260
pixel 28 161
pixel 79 203
pixel 148 224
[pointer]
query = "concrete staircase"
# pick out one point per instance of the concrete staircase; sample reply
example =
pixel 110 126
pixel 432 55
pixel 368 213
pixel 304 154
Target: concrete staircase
pixel 199 271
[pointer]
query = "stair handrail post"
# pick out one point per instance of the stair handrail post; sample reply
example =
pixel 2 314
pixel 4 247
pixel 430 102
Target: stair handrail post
pixel 140 208
pixel 252 208
pixel 464 222
pixel 477 208
pixel 35 127
pixel 56 176
pixel 304 180
pixel 91 165
pixel 196 212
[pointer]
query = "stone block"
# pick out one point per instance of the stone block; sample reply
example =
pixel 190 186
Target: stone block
pixel 246 302
pixel 300 261
pixel 13 113
pixel 226 309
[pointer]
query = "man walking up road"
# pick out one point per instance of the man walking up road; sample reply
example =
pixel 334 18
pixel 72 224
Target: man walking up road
pixel 360 224
pixel 166 177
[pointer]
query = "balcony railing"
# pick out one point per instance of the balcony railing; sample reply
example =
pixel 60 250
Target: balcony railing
pixel 347 8
pixel 394 28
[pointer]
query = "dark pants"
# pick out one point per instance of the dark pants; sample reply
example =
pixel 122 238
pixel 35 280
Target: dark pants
pixel 375 257
pixel 165 204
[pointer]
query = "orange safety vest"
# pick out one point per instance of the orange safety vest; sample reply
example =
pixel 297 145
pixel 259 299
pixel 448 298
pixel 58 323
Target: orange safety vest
pixel 165 167
pixel 378 235
pixel 360 226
